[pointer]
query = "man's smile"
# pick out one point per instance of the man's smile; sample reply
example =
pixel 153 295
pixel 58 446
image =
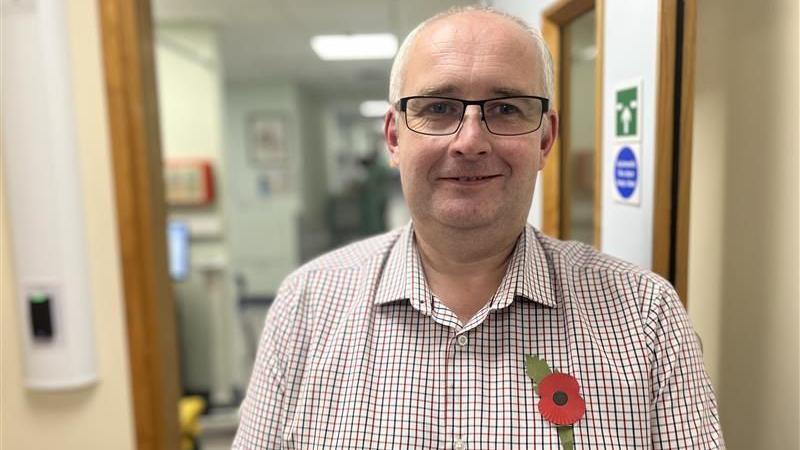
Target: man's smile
pixel 471 180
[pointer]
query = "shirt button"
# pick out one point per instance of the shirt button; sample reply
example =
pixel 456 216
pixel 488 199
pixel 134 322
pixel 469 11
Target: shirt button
pixel 459 445
pixel 462 340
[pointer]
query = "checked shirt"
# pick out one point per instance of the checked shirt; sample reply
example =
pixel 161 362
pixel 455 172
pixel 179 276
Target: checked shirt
pixel 357 353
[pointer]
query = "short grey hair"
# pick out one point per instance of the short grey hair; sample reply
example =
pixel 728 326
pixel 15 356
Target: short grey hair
pixel 396 78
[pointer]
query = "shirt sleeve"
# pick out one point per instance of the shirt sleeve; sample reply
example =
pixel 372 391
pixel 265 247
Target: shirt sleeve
pixel 264 411
pixel 683 409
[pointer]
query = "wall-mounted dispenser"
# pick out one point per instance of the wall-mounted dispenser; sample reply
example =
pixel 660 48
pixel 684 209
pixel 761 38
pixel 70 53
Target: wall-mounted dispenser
pixel 42 190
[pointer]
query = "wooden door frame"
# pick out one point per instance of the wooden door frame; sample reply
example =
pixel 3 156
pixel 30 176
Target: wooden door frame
pixel 127 39
pixel 554 19
pixel 673 141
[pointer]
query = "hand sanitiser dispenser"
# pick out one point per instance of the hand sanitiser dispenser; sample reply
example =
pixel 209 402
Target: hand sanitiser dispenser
pixel 41 178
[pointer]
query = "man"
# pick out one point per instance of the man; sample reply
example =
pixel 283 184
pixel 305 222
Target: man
pixel 418 338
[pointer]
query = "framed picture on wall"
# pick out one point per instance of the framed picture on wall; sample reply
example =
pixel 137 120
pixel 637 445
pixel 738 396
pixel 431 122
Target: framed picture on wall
pixel 266 139
pixel 267 152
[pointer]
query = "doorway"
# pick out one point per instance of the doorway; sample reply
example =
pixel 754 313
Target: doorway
pixel 572 179
pixel 233 160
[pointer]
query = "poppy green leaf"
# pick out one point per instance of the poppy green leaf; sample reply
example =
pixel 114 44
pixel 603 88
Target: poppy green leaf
pixel 536 368
pixel 567 437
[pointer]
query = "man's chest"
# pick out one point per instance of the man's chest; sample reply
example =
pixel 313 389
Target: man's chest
pixel 398 379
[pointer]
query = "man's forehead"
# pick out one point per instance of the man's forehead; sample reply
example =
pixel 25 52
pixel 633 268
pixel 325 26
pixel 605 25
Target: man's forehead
pixel 480 19
pixel 445 54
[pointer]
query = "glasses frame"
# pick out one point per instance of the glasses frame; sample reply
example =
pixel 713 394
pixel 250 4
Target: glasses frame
pixel 402 105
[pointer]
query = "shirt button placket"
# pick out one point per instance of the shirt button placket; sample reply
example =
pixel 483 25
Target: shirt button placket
pixel 458 444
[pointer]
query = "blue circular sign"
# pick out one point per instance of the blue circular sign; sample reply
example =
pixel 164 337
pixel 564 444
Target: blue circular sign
pixel 626 172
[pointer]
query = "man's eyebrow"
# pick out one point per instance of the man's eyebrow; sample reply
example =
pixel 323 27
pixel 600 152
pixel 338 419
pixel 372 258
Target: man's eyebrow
pixel 507 91
pixel 447 89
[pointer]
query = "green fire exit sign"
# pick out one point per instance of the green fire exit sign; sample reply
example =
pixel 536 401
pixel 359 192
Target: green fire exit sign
pixel 627 110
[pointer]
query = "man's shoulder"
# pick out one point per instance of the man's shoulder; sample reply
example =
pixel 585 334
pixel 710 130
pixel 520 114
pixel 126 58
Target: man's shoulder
pixel 354 256
pixel 579 258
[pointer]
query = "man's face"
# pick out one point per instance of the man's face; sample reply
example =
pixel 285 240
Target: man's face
pixel 471 56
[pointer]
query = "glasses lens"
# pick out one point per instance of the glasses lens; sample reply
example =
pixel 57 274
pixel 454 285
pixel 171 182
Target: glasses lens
pixel 433 115
pixel 515 115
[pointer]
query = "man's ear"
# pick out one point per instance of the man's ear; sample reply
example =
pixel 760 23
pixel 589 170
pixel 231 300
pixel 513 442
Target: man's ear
pixel 549 135
pixel 390 135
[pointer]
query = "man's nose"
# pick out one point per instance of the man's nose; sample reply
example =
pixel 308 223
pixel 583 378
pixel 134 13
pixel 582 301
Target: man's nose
pixel 472 137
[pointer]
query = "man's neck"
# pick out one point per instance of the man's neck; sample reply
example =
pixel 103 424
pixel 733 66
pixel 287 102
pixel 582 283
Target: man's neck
pixel 464 268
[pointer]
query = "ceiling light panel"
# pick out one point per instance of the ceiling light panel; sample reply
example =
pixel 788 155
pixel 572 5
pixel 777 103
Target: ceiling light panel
pixel 344 47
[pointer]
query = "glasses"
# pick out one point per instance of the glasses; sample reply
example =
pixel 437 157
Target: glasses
pixel 504 116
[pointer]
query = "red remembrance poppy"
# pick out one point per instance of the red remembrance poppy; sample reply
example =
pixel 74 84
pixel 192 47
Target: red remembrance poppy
pixel 559 400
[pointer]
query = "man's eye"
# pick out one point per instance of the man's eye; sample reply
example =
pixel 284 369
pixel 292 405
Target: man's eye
pixel 439 108
pixel 507 108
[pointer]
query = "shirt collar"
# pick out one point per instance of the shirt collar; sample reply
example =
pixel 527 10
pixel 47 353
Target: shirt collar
pixel 528 276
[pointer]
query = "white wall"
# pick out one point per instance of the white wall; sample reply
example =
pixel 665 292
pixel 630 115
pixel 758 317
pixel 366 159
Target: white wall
pixel 743 248
pixel 189 81
pixel 190 90
pixel 99 417
pixel 314 233
pixel 630 51
pixel 263 228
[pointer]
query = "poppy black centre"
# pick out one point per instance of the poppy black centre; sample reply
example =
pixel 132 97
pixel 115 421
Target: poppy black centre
pixel 560 398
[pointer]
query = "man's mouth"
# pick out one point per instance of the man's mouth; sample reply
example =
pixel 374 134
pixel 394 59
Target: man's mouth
pixel 476 178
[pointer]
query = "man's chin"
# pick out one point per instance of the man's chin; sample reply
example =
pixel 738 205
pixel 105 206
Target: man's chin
pixel 466 220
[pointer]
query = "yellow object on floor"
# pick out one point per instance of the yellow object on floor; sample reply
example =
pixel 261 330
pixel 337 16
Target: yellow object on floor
pixel 189 410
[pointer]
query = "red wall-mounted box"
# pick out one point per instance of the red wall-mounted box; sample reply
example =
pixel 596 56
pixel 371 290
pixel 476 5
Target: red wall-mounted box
pixel 189 182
